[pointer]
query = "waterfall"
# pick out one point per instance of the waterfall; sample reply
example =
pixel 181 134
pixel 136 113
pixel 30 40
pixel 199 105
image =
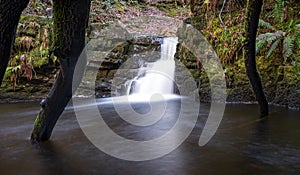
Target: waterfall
pixel 157 77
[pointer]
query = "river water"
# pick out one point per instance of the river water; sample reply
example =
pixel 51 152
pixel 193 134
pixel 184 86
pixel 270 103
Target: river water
pixel 243 144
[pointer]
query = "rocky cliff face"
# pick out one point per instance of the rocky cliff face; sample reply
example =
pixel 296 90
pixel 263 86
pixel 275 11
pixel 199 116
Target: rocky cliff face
pixel 130 56
pixel 122 63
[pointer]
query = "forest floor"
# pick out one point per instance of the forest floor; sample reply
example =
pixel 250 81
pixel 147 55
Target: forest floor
pixel 118 10
pixel 111 10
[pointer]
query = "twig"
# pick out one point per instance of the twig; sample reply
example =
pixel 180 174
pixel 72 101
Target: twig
pixel 224 2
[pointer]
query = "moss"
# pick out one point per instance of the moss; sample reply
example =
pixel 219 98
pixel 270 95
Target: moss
pixel 290 76
pixel 120 7
pixel 32 42
pixel 26 19
pixel 39 120
pixel 39 57
pixel 38 124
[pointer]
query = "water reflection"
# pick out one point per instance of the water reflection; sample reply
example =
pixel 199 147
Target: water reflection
pixel 271 145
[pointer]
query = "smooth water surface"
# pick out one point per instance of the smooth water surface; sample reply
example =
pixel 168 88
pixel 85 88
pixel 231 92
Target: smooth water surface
pixel 244 144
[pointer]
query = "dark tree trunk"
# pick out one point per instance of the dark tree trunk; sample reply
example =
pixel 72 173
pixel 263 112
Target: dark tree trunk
pixel 70 21
pixel 10 12
pixel 254 8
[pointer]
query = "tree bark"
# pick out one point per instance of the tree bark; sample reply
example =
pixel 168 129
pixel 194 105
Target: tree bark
pixel 70 21
pixel 10 12
pixel 254 9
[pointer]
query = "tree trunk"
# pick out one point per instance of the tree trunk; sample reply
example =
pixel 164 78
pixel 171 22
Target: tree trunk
pixel 10 12
pixel 254 8
pixel 70 21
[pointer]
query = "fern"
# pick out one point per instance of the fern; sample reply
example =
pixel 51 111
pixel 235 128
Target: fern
pixel 288 46
pixel 12 73
pixel 259 44
pixel 265 24
pixel 298 42
pixel 269 39
pixel 284 35
pixel 278 10
pixel 264 36
pixel 273 47
pixel 296 67
pixel 297 36
pixel 12 69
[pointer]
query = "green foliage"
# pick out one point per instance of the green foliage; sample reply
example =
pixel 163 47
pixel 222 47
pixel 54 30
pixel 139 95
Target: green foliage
pixel 282 36
pixel 172 13
pixel 278 10
pixel 31 48
pixel 288 46
pixel 108 3
pixel 19 67
pixel 273 47
pixel 226 40
pixel 289 39
pixel 12 71
pixel 265 24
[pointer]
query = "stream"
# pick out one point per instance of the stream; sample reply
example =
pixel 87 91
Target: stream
pixel 243 144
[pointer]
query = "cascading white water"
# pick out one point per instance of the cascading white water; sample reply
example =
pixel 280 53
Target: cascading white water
pixel 158 76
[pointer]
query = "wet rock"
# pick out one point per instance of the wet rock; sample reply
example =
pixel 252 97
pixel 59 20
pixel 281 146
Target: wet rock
pixel 147 40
